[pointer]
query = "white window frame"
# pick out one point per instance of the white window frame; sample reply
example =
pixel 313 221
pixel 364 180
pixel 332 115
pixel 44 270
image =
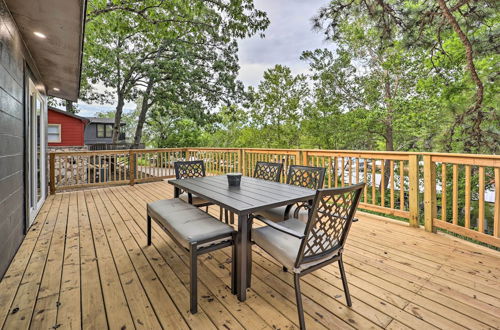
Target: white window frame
pixel 60 133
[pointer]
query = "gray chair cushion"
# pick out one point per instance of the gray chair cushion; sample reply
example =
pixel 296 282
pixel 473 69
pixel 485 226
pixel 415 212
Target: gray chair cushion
pixel 187 223
pixel 284 247
pixel 277 214
pixel 196 199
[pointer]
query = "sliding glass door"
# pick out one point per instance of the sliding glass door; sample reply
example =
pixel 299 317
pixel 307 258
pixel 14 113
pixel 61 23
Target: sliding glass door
pixel 36 151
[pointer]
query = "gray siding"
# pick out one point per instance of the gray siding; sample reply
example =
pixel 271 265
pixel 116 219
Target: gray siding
pixel 12 190
pixel 91 135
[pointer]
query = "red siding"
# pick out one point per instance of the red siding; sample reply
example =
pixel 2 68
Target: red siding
pixel 72 129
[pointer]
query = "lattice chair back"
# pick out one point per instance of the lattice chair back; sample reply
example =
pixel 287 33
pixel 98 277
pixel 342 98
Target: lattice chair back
pixel 306 176
pixel 189 169
pixel 268 171
pixel 329 223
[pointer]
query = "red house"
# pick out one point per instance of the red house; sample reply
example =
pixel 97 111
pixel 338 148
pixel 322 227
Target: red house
pixel 64 128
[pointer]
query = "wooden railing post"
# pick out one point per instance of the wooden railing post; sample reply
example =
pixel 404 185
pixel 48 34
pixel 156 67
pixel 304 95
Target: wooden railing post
pixel 304 158
pixel 131 166
pixel 430 206
pixel 241 161
pixel 52 173
pixel 413 190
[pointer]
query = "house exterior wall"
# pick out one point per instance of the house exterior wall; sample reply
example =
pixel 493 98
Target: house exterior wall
pixel 12 135
pixel 72 129
pixel 91 135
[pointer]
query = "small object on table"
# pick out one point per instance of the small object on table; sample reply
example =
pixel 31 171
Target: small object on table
pixel 234 179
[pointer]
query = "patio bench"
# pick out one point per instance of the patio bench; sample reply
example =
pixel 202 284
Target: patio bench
pixel 195 231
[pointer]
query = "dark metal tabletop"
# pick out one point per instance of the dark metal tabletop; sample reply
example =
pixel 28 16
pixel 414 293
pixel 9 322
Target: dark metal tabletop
pixel 252 195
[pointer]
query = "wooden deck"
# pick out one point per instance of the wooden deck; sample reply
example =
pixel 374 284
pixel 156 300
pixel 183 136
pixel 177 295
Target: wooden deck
pixel 85 263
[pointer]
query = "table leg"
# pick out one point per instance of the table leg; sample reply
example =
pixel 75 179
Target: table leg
pixel 243 245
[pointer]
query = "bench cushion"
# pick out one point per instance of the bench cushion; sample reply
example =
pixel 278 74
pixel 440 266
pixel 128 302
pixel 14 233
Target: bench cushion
pixel 187 223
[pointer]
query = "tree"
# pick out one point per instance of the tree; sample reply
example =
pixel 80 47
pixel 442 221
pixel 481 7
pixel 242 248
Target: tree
pixel 431 30
pixel 168 49
pixel 277 105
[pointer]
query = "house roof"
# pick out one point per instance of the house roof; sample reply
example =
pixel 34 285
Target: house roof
pixel 99 120
pixel 58 57
pixel 69 114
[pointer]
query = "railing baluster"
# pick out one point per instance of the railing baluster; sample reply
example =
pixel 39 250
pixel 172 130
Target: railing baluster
pixel 357 170
pixel 374 181
pixel 443 192
pixel 401 185
pixel 467 194
pixel 455 194
pixel 480 220
pixel 496 217
pixel 365 177
pixel 382 183
pixel 391 180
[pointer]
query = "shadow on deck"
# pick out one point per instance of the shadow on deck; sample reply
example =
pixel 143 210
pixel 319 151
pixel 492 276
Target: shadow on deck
pixel 85 263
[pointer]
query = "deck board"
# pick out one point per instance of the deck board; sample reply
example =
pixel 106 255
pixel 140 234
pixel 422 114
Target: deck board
pixel 85 263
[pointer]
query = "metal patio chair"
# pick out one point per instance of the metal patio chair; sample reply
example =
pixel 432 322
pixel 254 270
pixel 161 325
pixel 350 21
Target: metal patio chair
pixel 268 171
pixel 192 169
pixel 306 247
pixel 303 176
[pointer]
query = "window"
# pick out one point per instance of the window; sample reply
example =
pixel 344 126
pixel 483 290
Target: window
pixel 54 133
pixel 104 131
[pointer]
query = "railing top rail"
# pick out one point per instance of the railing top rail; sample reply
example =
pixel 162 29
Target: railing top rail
pixel 212 149
pixel 107 152
pixel 436 156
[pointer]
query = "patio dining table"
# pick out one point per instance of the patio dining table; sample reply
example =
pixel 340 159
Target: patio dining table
pixel 253 195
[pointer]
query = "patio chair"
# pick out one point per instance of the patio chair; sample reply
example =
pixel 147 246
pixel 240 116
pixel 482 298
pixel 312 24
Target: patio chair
pixel 306 247
pixel 268 171
pixel 302 176
pixel 192 169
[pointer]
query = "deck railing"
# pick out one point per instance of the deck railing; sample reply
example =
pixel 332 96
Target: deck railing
pixel 414 186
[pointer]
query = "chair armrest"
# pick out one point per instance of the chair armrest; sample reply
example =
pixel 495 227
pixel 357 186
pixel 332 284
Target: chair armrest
pixel 299 206
pixel 278 227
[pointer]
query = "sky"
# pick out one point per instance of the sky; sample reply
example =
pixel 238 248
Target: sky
pixel 288 35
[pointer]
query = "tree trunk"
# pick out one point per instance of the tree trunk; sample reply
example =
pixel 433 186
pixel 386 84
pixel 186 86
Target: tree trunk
pixel 118 118
pixel 476 134
pixel 144 110
pixel 389 136
pixel 69 107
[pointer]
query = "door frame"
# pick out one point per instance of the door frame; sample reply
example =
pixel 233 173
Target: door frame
pixel 34 99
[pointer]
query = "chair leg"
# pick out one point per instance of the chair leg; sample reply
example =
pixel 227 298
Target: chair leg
pixel 206 209
pixel 226 216
pixel 149 230
pixel 298 297
pixel 193 279
pixel 220 213
pixel 233 266
pixel 231 217
pixel 344 283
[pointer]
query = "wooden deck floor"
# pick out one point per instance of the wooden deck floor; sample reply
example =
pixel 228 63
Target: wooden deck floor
pixel 85 263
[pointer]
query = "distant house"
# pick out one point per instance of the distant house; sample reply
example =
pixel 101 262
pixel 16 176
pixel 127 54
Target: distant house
pixel 99 131
pixel 65 129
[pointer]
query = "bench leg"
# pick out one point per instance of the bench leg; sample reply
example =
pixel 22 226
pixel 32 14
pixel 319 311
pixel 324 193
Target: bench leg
pixel 193 278
pixel 149 230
